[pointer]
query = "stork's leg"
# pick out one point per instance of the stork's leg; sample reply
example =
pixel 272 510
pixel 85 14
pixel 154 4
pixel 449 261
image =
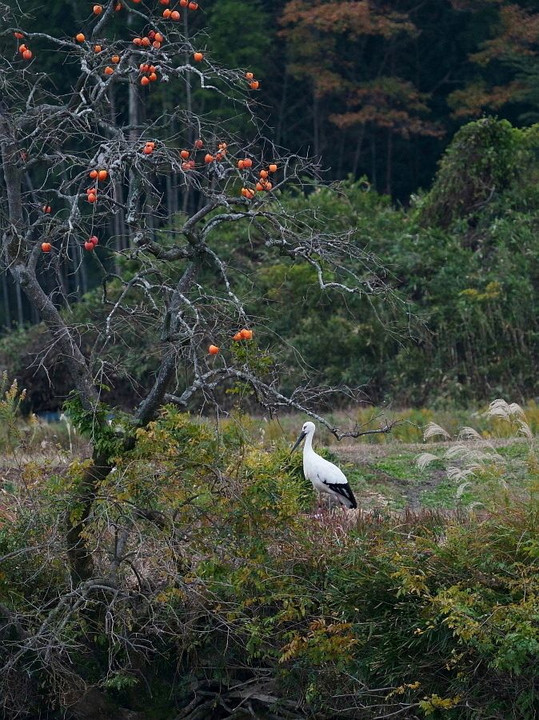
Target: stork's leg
pixel 321 504
pixel 326 503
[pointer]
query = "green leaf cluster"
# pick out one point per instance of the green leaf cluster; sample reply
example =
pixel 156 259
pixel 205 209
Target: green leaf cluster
pixel 460 321
pixel 228 576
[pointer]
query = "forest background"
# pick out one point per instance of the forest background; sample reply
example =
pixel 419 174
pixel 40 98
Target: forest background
pixel 375 92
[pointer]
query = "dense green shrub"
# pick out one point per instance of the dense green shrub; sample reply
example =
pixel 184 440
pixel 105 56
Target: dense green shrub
pixel 212 577
pixel 484 160
pixel 459 325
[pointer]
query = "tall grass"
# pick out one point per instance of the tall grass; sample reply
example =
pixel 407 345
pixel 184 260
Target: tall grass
pixel 410 424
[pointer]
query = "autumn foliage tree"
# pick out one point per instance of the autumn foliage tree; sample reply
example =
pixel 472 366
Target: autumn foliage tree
pixel 116 172
pixel 332 46
pixel 384 86
pixel 504 63
pixel 176 562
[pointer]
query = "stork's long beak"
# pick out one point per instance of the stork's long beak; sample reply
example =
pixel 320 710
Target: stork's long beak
pixel 298 442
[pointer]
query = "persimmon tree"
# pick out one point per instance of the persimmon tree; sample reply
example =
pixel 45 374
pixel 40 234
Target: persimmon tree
pixel 116 175
pixel 98 183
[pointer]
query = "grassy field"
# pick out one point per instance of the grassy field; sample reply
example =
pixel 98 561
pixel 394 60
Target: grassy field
pixel 388 476
pixel 483 453
pixel 386 471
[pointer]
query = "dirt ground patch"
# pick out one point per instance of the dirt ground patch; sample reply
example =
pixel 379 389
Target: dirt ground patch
pixel 387 476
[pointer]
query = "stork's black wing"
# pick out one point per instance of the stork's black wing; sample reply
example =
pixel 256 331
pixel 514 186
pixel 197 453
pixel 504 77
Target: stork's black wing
pixel 345 492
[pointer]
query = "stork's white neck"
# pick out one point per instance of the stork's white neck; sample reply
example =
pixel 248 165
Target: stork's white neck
pixel 308 446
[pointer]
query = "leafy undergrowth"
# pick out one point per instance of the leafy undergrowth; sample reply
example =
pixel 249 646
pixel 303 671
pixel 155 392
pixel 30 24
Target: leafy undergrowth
pixel 220 591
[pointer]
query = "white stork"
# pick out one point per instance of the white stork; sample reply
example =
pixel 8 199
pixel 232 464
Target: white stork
pixel 324 475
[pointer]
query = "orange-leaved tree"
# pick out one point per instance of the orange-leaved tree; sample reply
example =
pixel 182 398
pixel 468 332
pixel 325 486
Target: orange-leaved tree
pixel 351 54
pixel 504 63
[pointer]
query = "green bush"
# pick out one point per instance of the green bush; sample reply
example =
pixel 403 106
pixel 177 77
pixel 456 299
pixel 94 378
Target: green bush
pixel 483 160
pixel 459 322
pixel 212 574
